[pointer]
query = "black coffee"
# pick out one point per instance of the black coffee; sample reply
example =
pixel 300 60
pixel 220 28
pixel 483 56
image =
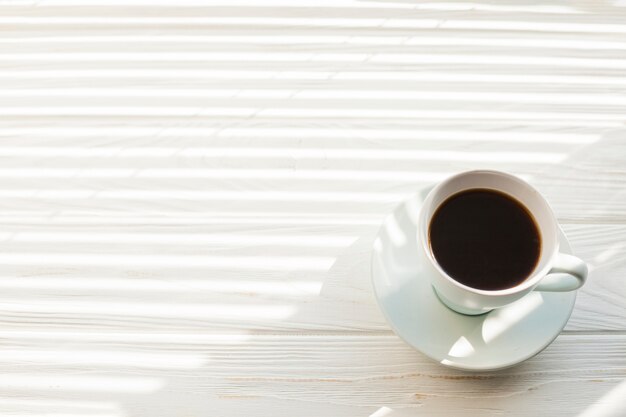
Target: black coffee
pixel 484 239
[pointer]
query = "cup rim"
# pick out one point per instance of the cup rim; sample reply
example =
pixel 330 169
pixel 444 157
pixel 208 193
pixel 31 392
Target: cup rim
pixel 529 282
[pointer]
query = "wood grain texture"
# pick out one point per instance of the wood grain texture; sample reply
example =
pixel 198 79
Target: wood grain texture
pixel 232 276
pixel 304 374
pixel 189 192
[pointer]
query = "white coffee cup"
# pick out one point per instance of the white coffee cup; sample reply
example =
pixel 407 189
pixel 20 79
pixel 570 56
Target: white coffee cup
pixel 554 271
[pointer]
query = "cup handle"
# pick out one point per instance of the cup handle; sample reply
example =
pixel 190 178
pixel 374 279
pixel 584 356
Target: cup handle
pixel 569 273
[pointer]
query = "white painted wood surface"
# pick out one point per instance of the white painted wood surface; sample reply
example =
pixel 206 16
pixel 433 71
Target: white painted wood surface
pixel 189 191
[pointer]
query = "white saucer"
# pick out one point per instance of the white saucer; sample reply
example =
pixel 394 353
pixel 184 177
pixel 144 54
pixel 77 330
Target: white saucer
pixel 498 339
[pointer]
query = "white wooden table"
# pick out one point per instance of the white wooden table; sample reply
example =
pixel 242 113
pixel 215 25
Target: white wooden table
pixel 189 192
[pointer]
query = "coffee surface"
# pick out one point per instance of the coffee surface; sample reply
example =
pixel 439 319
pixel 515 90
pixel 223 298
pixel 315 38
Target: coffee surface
pixel 485 239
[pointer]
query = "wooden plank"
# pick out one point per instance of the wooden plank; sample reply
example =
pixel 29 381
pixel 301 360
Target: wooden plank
pixel 364 169
pixel 246 276
pixel 604 15
pixel 134 183
pixel 190 373
pixel 556 104
pixel 312 9
pixel 602 299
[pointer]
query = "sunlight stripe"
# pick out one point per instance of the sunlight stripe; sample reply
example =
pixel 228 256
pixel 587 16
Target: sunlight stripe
pixel 450 77
pixel 140 309
pixel 418 133
pixel 291 153
pixel 533 8
pixel 468 40
pixel 320 112
pixel 484 59
pixel 170 285
pixel 321 94
pixel 215 239
pixel 177 194
pixel 378 23
pixel 276 174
